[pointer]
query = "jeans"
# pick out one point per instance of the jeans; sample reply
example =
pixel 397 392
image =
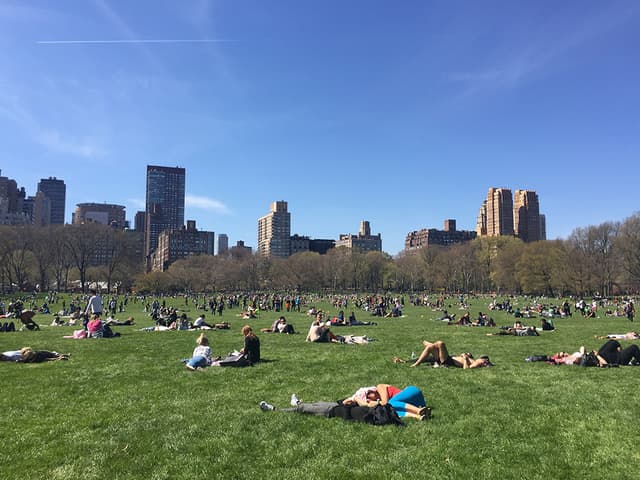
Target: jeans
pixel 315 408
pixel 198 361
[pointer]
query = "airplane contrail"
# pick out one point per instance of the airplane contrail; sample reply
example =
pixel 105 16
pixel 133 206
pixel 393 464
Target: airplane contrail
pixel 75 42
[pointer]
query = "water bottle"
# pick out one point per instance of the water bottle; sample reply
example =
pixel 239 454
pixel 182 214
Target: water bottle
pixel 413 355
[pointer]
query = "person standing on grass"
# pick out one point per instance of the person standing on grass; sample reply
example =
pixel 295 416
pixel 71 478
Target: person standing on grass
pixel 94 306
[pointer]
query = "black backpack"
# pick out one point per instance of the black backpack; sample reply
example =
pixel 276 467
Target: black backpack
pixel 384 415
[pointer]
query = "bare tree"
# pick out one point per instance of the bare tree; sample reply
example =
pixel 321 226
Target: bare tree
pixel 41 238
pixel 629 247
pixel 83 243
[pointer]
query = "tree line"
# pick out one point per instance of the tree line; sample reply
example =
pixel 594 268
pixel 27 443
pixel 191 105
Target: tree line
pixel 596 260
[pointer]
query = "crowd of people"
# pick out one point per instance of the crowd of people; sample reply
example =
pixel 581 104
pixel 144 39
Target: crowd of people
pixel 407 402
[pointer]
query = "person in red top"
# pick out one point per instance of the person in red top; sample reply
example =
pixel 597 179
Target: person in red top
pixel 407 402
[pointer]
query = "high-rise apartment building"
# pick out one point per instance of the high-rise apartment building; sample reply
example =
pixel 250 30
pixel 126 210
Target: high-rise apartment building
pixel 40 206
pixel 139 221
pixel 526 215
pixel 223 244
pixel 502 214
pixel 181 243
pixel 496 214
pixel 103 213
pixel 164 204
pixel 274 232
pixel 543 226
pixel 364 241
pixel 56 191
pixel 12 201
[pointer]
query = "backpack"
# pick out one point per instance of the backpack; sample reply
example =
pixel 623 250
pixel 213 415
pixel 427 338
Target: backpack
pixel 235 360
pixel 589 359
pixel 384 415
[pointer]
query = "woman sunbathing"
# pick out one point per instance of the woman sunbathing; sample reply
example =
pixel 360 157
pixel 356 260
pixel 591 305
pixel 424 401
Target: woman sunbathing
pixel 437 353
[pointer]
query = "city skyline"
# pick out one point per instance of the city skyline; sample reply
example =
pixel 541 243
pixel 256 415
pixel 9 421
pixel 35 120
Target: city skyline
pixel 399 114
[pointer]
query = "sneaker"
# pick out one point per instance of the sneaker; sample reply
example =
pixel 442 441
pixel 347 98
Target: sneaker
pixel 266 407
pixel 295 401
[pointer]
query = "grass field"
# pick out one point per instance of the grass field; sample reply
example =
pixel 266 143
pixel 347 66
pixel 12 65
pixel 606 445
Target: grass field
pixel 126 408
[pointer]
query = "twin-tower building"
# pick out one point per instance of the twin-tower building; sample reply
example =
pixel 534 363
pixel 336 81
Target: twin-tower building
pixel 512 215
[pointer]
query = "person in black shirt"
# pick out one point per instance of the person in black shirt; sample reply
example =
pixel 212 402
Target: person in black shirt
pixel 251 344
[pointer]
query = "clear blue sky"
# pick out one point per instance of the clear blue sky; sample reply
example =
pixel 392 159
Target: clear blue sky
pixel 400 113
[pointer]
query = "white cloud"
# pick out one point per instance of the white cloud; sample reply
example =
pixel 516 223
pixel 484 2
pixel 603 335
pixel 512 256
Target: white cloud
pixel 541 52
pixel 55 142
pixel 205 203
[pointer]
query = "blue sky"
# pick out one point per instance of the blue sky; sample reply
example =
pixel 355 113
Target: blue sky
pixel 400 113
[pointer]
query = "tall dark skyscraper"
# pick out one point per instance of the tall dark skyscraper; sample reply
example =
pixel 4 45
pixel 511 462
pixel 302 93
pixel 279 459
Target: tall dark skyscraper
pixel 56 191
pixel 165 203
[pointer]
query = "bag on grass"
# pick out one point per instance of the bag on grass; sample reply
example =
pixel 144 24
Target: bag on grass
pixel 235 360
pixel 589 359
pixel 384 415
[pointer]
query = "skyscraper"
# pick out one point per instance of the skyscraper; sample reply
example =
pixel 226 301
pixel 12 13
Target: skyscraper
pixel 526 216
pixel 56 191
pixel 274 232
pixel 223 244
pixel 499 212
pixel 164 203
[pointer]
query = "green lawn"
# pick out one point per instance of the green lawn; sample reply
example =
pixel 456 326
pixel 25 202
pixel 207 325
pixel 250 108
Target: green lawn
pixel 127 408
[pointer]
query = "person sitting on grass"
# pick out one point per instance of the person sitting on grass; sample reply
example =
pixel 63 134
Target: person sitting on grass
pixel 546 325
pixel 200 323
pixel 319 332
pixel 95 327
pixel 201 356
pixel 437 353
pixel 251 345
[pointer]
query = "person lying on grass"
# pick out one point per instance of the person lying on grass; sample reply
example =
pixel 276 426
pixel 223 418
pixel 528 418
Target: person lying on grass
pixel 346 409
pixel 612 353
pixel 620 336
pixel 437 353
pixel 407 402
pixel 518 330
pixel 201 356
pixel 28 355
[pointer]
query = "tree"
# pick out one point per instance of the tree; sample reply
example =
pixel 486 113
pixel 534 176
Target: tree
pixel 83 242
pixel 504 265
pixel 41 239
pixel 61 258
pixel 628 243
pixel 539 268
pixel 17 256
pixel 409 272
